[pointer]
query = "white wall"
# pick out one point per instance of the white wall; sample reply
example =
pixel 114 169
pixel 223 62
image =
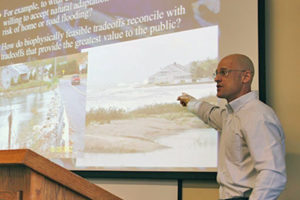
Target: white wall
pixel 139 189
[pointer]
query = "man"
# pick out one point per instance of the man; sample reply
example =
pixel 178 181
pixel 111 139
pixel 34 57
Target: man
pixel 251 158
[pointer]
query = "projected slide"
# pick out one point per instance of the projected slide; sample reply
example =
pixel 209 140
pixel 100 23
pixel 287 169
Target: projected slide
pixel 132 118
pixel 93 84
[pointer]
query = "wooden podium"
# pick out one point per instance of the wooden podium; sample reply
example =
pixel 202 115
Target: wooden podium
pixel 25 175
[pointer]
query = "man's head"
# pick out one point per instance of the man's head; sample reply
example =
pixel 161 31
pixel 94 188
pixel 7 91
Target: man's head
pixel 234 76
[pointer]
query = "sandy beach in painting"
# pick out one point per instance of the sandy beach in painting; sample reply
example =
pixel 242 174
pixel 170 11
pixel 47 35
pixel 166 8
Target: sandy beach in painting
pixel 136 135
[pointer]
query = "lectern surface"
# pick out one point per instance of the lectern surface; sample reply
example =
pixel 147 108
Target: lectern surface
pixel 26 175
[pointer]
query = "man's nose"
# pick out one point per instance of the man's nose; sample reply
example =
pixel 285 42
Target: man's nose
pixel 217 78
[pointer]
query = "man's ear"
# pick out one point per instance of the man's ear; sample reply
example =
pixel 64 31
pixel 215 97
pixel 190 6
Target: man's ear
pixel 247 76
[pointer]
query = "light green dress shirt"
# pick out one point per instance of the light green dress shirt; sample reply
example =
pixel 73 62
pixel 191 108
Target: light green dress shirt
pixel 251 156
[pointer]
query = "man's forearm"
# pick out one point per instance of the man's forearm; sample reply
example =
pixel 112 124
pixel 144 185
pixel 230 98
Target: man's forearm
pixel 208 113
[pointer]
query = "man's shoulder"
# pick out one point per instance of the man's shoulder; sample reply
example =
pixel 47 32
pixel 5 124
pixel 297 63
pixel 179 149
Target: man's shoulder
pixel 257 109
pixel 258 104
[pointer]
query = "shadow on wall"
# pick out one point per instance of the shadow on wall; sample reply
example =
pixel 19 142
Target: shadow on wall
pixel 204 189
pixel 293 177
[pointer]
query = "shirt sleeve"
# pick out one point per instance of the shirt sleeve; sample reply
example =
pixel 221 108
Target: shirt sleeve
pixel 208 113
pixel 265 139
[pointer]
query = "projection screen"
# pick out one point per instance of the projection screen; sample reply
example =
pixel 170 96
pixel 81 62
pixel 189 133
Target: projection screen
pixel 93 84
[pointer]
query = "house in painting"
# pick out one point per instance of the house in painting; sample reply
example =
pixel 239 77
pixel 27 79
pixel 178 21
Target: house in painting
pixel 171 74
pixel 12 74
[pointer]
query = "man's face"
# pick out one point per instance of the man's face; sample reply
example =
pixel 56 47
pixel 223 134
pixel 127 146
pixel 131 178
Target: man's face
pixel 229 80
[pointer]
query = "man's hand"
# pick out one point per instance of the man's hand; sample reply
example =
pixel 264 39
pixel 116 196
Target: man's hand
pixel 184 99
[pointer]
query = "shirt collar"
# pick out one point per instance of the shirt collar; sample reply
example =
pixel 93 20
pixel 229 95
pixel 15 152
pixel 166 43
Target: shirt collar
pixel 236 104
